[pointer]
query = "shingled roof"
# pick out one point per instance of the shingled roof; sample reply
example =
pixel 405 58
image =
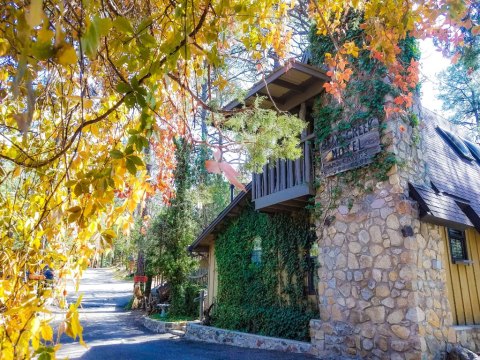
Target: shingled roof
pixel 453 197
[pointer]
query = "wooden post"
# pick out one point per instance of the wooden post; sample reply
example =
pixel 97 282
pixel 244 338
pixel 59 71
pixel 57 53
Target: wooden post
pixel 271 175
pixel 282 175
pixel 298 175
pixel 201 300
pixel 277 177
pixel 265 180
pixel 308 162
pixel 290 178
pixel 303 111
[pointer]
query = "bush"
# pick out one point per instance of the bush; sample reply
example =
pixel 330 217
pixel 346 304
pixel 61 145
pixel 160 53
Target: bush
pixel 183 299
pixel 284 322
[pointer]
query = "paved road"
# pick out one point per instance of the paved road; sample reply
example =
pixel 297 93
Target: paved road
pixel 112 333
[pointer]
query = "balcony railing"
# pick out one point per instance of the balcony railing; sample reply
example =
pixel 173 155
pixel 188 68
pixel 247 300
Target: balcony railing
pixel 287 183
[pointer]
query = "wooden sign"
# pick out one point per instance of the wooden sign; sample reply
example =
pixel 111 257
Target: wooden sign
pixel 351 148
pixel 139 278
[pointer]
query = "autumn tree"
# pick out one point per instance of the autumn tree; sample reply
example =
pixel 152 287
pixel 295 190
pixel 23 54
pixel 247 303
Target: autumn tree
pixel 85 87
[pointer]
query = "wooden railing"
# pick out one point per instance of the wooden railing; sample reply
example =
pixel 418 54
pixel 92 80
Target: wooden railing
pixel 285 179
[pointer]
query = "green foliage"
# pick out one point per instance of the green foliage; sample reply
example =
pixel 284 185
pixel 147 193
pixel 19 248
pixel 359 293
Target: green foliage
pixel 129 304
pixel 266 134
pixel 267 297
pixel 171 231
pixel 364 98
pixel 460 93
pixel 183 299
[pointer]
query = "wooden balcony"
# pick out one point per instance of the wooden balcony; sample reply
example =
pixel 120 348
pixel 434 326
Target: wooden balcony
pixel 285 185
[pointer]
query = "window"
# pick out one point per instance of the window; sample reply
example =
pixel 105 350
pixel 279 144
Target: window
pixel 474 149
pixel 458 246
pixel 456 143
pixel 257 250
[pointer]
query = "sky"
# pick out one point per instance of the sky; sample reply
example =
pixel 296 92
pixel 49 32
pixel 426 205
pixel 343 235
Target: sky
pixel 431 63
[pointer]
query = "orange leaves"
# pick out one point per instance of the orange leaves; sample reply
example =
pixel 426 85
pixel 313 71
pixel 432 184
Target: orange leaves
pixel 339 72
pixel 385 24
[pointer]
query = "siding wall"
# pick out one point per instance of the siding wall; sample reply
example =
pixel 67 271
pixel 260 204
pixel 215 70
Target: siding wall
pixel 464 281
pixel 212 275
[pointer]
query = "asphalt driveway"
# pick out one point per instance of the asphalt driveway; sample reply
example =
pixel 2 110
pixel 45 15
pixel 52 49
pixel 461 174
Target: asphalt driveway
pixel 112 333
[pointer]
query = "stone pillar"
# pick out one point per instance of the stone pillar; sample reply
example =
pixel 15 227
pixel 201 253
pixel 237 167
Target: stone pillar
pixel 378 294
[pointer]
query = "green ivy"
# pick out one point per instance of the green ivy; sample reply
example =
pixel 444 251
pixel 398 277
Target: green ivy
pixel 269 297
pixel 364 98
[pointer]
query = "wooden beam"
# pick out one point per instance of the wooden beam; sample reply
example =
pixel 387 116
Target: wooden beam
pixel 290 86
pixel 277 73
pixel 201 249
pixel 258 86
pixel 278 209
pixel 315 89
pixel 311 70
pixel 281 196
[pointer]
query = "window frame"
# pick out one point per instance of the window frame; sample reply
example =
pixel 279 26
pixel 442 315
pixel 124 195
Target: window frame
pixel 460 236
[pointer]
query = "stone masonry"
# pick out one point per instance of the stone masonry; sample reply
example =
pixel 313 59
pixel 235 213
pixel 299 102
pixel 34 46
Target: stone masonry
pixel 380 296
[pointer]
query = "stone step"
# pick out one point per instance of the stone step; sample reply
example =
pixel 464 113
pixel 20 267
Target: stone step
pixel 177 332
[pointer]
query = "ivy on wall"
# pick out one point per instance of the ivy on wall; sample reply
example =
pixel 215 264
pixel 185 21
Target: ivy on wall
pixel 364 98
pixel 265 294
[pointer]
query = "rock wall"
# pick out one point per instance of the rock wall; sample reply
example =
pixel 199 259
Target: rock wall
pixel 162 327
pixel 381 291
pixel 215 335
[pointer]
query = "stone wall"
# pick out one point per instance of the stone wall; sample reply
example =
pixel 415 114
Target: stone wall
pixel 379 293
pixel 162 327
pixel 215 335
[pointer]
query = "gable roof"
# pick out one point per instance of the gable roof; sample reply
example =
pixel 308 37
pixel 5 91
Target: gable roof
pixel 287 85
pixel 453 197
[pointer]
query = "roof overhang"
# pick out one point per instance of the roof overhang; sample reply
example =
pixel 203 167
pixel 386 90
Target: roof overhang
pixel 444 209
pixel 233 209
pixel 286 87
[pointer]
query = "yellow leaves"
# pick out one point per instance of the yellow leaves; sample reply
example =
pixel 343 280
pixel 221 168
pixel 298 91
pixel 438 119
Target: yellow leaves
pixel 351 49
pixel 4 46
pixel 45 35
pixel 75 213
pixel 87 103
pixel 35 13
pixel 46 331
pixel 72 322
pixel 66 55
pixel 108 236
pixel 123 25
pixel 6 349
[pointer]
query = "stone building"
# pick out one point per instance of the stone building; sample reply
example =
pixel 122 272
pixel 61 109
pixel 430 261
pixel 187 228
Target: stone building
pixel 398 257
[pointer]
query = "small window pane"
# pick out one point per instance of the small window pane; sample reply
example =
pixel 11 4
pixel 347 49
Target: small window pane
pixel 458 248
pixel 257 250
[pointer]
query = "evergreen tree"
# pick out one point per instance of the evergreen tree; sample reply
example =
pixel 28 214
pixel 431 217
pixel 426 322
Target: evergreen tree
pixel 460 82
